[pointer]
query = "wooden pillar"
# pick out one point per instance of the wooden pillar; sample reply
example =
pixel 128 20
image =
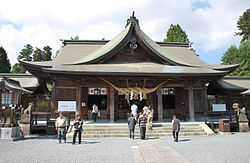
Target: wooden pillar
pixel 112 104
pixel 191 103
pixel 228 103
pixel 160 107
pixel 53 99
pixel 205 99
pixel 108 104
pixel 78 99
pixel 84 101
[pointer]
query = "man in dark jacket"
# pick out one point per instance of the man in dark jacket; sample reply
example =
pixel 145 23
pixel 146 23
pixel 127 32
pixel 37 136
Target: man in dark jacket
pixel 131 126
pixel 77 123
pixel 176 128
pixel 142 125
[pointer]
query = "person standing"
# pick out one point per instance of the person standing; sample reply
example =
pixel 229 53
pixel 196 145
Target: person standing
pixel 176 128
pixel 94 112
pixel 145 109
pixel 77 123
pixel 134 109
pixel 142 124
pixel 150 115
pixel 61 123
pixel 131 126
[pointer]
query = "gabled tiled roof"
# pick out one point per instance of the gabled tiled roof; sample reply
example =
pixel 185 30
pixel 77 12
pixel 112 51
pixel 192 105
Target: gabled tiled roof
pixel 230 85
pixel 13 85
pixel 239 81
pixel 78 56
pixel 27 80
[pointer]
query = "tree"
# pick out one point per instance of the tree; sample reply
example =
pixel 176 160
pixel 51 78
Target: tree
pixel 176 34
pixel 47 53
pixel 244 54
pixel 4 61
pixel 239 56
pixel 26 53
pixel 75 38
pixel 230 56
pixel 17 68
pixel 243 25
pixel 37 55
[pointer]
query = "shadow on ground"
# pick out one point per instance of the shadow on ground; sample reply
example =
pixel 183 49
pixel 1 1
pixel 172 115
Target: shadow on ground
pixel 150 138
pixel 184 140
pixel 39 138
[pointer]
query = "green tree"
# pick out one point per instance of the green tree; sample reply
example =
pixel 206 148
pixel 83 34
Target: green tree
pixel 37 55
pixel 4 61
pixel 75 38
pixel 26 53
pixel 47 53
pixel 243 25
pixel 239 56
pixel 176 34
pixel 230 56
pixel 17 68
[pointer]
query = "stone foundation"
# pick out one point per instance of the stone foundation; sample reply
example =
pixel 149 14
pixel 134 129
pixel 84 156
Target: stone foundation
pixel 25 128
pixel 10 133
pixel 243 127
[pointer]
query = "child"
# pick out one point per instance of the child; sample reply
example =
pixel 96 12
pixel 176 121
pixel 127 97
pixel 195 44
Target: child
pixel 131 126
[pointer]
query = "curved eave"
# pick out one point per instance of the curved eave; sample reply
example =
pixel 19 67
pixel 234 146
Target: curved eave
pixel 226 67
pixel 247 92
pixel 222 87
pixel 133 74
pixel 15 88
pixel 33 64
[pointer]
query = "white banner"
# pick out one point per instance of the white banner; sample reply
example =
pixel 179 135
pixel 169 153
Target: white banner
pixel 66 106
pixel 219 107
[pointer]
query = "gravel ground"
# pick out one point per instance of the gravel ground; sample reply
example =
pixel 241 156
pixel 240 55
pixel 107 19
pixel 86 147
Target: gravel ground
pixel 214 149
pixel 43 149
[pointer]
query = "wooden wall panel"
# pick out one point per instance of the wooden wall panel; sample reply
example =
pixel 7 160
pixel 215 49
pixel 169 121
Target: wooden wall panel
pixel 179 102
pixel 84 100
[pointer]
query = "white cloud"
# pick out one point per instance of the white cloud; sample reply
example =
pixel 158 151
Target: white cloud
pixel 45 22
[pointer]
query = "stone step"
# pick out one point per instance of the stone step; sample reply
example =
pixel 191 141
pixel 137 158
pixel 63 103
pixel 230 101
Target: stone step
pixel 137 129
pixel 125 125
pixel 154 128
pixel 137 135
pixel 123 132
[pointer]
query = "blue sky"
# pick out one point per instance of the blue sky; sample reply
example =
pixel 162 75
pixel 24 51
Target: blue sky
pixel 200 4
pixel 210 24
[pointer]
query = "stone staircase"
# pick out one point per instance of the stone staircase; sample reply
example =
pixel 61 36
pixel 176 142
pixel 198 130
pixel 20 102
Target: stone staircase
pixel 109 130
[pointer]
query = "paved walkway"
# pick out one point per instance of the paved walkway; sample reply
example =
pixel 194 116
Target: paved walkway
pixel 214 149
pixel 153 151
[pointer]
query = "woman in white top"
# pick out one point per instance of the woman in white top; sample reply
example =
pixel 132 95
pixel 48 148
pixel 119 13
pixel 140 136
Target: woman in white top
pixel 134 109
pixel 94 112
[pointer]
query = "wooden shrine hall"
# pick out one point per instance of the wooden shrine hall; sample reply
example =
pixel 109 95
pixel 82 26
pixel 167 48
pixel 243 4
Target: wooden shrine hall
pixel 130 68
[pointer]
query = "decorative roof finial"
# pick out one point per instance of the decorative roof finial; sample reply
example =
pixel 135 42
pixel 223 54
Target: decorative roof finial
pixel 132 19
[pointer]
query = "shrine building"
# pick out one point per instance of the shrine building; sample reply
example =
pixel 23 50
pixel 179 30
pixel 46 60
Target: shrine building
pixel 130 68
